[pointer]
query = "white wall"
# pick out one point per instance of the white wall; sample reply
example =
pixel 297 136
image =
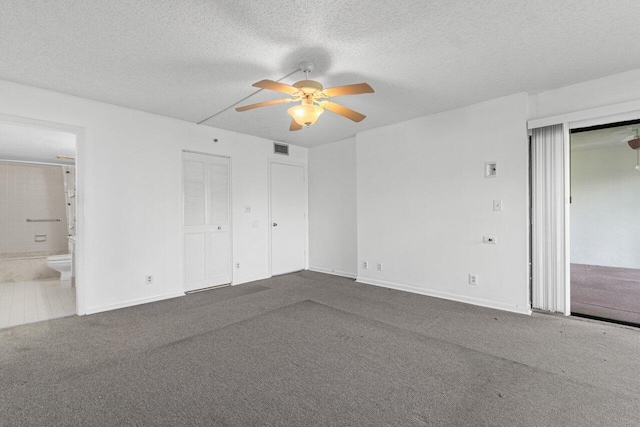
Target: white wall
pixel 35 192
pixel 332 208
pixel 424 204
pixel 417 186
pixel 605 191
pixel 131 196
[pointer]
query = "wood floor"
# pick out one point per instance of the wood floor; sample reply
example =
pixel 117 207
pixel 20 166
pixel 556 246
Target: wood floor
pixel 606 292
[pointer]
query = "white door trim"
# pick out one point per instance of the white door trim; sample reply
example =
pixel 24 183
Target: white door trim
pixel 605 112
pixel 306 207
pixel 567 217
pixel 81 244
pixel 182 195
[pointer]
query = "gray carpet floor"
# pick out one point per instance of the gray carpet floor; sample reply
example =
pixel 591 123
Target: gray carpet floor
pixel 607 292
pixel 309 349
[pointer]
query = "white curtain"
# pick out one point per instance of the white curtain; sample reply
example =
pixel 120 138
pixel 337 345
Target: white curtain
pixel 550 226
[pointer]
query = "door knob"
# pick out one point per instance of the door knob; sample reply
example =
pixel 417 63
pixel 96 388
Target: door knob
pixel 219 228
pixel 275 224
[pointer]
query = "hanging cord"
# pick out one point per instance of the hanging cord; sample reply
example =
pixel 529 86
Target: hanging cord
pixel 246 97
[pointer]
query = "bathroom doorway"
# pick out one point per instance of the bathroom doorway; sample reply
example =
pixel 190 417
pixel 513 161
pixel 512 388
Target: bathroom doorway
pixel 605 233
pixel 38 221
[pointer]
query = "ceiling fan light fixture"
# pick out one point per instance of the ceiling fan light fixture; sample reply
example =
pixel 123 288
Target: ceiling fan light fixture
pixel 305 114
pixel 634 143
pixel 311 95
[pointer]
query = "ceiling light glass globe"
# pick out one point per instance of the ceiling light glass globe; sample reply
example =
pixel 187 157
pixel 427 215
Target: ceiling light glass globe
pixel 305 115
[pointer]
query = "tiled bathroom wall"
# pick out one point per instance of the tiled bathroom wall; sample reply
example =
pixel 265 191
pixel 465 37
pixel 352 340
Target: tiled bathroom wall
pixel 35 192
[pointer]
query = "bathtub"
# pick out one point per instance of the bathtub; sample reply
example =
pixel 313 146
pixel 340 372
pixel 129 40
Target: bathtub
pixel 21 267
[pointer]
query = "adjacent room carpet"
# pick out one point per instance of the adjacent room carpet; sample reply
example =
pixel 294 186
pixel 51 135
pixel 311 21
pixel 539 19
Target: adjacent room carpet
pixel 606 292
pixel 311 349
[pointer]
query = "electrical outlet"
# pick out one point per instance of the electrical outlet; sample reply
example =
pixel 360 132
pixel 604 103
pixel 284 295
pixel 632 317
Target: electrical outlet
pixel 365 264
pixel 237 265
pixel 491 240
pixel 473 279
pixel 379 266
pixel 148 279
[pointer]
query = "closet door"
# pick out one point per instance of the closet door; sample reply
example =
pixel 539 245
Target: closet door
pixel 207 221
pixel 287 219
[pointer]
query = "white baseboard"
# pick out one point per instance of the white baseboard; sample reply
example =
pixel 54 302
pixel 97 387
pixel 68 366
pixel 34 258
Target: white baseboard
pixel 333 271
pixel 445 295
pixel 100 309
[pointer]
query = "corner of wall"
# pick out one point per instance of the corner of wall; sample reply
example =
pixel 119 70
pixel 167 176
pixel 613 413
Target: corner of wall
pixel 332 208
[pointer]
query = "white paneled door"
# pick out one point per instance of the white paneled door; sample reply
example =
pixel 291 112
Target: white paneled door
pixel 288 220
pixel 207 221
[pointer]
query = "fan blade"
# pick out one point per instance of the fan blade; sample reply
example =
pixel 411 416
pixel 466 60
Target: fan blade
pixel 294 126
pixel 263 104
pixel 635 134
pixel 348 90
pixel 277 86
pixel 343 111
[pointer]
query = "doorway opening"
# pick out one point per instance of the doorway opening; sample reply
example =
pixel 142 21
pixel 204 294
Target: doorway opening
pixel 38 222
pixel 605 231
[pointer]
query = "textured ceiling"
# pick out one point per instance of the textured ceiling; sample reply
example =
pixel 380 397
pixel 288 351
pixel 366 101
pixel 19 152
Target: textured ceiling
pixel 35 145
pixel 189 59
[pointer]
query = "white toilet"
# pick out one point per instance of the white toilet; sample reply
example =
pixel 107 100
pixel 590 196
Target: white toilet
pixel 61 263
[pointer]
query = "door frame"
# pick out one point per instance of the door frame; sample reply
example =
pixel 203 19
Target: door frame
pixel 81 244
pixel 580 119
pixel 182 196
pixel 306 207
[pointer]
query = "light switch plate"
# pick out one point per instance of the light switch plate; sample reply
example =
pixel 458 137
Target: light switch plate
pixel 497 205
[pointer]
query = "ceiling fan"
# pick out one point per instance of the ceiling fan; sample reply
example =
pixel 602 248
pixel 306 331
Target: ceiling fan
pixel 310 94
pixel 634 143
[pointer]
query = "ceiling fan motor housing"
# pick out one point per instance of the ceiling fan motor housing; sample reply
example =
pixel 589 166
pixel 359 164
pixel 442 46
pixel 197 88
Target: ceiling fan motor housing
pixel 308 87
